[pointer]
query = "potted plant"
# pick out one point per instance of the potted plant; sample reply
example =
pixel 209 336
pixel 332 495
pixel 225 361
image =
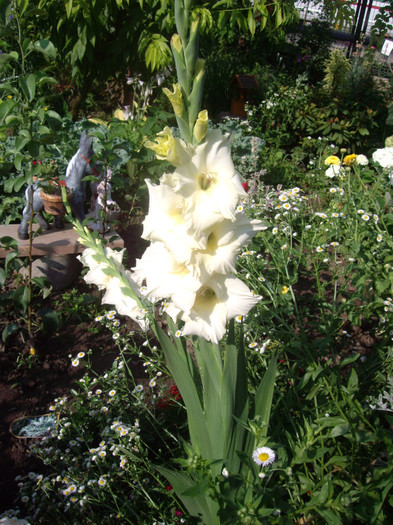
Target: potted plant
pixel 51 185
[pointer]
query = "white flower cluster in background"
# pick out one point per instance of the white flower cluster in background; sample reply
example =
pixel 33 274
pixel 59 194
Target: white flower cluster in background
pixel 385 400
pixel 384 157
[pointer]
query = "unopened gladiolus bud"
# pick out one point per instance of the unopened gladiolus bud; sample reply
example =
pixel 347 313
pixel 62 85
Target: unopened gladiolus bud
pixel 200 127
pixel 176 43
pixel 176 99
pixel 163 143
pixel 166 147
pixel 199 67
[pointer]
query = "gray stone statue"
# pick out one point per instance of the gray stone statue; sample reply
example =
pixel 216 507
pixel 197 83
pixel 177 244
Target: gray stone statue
pixel 78 167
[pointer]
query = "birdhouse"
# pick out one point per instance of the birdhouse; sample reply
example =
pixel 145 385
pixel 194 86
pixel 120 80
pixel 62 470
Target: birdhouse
pixel 243 87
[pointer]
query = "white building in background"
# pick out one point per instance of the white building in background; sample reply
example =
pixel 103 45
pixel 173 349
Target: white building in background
pixel 313 9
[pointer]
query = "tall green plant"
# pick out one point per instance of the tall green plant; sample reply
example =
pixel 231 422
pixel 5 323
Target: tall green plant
pixel 23 112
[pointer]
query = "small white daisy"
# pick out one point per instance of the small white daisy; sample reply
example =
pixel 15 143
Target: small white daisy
pixel 263 456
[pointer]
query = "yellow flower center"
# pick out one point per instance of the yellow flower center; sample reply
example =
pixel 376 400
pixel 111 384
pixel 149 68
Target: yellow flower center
pixel 205 180
pixel 205 302
pixel 263 456
pixel 212 244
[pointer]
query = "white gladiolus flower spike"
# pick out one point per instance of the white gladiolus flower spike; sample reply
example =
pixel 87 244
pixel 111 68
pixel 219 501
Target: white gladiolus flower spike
pixel 216 302
pixel 96 274
pixel 165 222
pixel 168 279
pixel 208 183
pixel 124 304
pixel 224 242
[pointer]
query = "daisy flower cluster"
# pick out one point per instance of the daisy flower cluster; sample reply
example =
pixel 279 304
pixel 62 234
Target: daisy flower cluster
pixel 97 449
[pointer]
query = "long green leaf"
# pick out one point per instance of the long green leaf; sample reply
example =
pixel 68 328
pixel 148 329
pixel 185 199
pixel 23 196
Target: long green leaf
pixel 5 109
pixel 179 368
pixel 209 361
pixel 200 506
pixel 264 394
pixel 234 398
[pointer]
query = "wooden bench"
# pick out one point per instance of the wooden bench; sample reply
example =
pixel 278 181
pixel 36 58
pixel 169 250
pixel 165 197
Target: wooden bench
pixel 54 252
pixel 51 242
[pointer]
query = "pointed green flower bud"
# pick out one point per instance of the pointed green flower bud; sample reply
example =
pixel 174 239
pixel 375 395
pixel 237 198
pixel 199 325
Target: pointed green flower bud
pixel 183 75
pixel 200 127
pixel 176 43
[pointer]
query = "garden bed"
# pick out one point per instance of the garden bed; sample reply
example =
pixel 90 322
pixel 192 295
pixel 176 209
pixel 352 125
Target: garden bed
pixel 29 384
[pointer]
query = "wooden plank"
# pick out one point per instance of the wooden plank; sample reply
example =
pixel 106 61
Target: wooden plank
pixel 51 242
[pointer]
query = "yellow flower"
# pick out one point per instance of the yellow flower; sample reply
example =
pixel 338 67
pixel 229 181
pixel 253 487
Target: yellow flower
pixel 119 114
pixel 284 290
pixel 349 160
pixel 97 121
pixel 32 351
pixel 332 160
pixel 9 97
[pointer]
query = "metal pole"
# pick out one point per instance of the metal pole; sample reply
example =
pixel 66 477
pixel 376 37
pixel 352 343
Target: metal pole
pixel 359 24
pixel 370 5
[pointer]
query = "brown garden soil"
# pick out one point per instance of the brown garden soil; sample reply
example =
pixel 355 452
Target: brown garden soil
pixel 29 390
